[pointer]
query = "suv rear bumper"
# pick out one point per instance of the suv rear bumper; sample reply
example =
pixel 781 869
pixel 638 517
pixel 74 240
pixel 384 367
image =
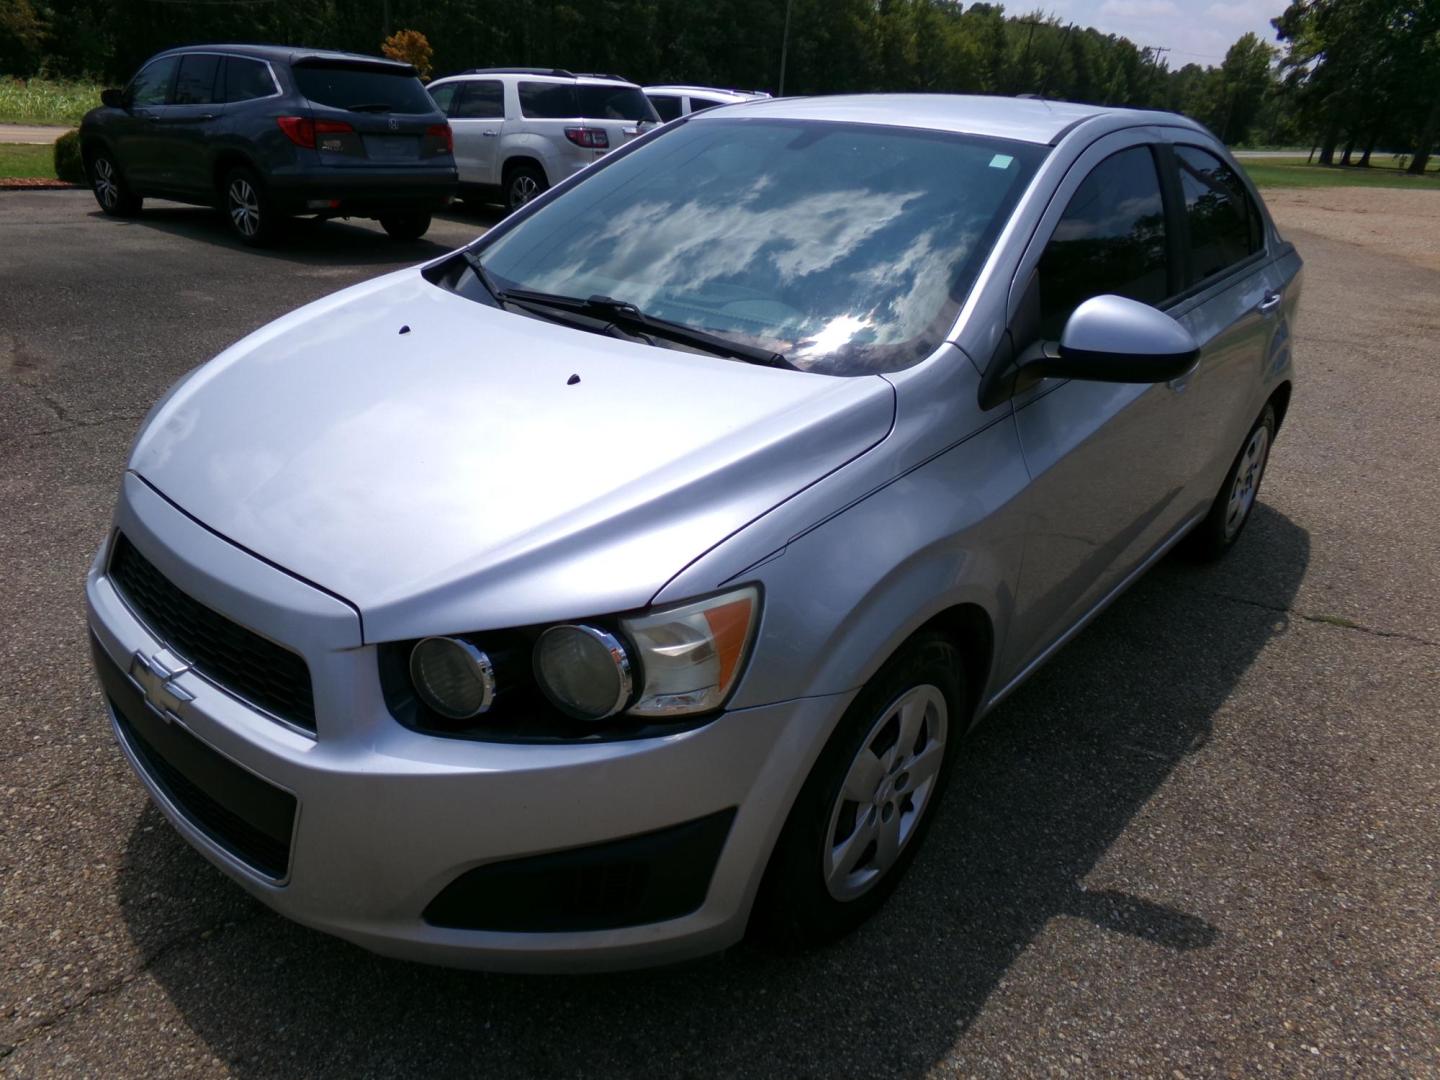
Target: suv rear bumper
pixel 363 192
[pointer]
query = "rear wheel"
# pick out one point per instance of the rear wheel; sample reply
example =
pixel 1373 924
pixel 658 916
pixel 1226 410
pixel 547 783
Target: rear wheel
pixel 523 183
pixel 248 208
pixel 1231 509
pixel 864 809
pixel 111 191
pixel 406 226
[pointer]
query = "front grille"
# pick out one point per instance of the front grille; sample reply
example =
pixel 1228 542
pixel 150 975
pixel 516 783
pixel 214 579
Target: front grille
pixel 247 816
pixel 263 673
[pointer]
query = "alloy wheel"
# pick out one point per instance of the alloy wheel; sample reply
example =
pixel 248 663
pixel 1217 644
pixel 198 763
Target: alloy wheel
pixel 244 207
pixel 886 791
pixel 1247 480
pixel 523 188
pixel 107 189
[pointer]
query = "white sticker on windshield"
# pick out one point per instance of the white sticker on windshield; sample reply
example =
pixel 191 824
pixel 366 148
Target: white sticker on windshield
pixel 1001 161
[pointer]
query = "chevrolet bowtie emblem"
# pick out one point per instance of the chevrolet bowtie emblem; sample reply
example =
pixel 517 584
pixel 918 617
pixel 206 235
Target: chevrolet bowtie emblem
pixel 154 676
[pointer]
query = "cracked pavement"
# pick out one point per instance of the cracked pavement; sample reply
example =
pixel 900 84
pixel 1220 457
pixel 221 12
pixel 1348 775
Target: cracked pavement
pixel 1205 839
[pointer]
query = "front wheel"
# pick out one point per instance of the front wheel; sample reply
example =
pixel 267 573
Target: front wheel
pixel 1230 511
pixel 111 191
pixel 406 226
pixel 864 809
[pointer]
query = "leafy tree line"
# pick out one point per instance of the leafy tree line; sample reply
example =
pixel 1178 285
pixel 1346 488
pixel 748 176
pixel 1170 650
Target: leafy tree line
pixel 835 46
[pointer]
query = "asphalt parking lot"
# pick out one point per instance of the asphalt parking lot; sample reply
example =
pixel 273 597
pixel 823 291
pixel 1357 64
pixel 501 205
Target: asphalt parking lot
pixel 1204 840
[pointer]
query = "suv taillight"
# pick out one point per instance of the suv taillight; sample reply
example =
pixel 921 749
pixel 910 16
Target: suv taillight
pixel 331 136
pixel 590 138
pixel 439 139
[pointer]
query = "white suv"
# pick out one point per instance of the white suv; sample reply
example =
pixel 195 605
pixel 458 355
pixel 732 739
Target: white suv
pixel 672 102
pixel 520 130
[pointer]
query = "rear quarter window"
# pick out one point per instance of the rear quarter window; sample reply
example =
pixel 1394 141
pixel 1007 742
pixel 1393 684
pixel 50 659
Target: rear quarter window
pixel 362 88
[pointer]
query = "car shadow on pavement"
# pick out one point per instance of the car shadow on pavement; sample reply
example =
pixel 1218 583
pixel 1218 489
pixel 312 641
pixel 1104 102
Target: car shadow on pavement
pixel 302 240
pixel 1046 785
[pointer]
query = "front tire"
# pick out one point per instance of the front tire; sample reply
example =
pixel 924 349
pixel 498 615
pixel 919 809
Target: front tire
pixel 406 226
pixel 248 208
pixel 523 183
pixel 111 192
pixel 864 809
pixel 1229 513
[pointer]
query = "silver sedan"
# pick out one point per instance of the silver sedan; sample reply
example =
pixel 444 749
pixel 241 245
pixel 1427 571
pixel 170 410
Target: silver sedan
pixel 627 581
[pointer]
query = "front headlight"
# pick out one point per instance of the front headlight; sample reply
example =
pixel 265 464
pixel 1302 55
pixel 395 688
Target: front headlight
pixel 691 656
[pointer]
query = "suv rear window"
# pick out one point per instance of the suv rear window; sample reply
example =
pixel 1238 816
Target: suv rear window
pixel 568 101
pixel 362 88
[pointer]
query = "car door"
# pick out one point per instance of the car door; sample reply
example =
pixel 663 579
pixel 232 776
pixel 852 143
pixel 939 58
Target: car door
pixel 1231 305
pixel 476 118
pixel 1109 462
pixel 139 140
pixel 187 120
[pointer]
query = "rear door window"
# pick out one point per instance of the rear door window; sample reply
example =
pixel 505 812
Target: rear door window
pixel 1224 224
pixel 1111 239
pixel 668 108
pixel 246 80
pixel 152 85
pixel 195 85
pixel 362 88
pixel 483 99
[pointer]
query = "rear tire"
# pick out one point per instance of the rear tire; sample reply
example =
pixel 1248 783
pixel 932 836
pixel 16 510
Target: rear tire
pixel 111 192
pixel 523 183
pixel 1217 534
pixel 860 818
pixel 406 226
pixel 249 210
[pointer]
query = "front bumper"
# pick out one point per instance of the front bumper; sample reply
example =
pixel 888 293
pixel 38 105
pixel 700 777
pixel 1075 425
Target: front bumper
pixel 385 818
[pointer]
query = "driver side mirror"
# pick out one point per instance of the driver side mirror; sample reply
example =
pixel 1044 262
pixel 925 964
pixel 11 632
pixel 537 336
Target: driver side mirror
pixel 1113 339
pixel 112 99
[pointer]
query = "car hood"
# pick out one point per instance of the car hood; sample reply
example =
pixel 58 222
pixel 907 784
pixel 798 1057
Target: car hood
pixel 445 466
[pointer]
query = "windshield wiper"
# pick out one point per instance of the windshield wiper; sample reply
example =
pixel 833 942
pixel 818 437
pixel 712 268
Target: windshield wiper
pixel 370 106
pixel 627 315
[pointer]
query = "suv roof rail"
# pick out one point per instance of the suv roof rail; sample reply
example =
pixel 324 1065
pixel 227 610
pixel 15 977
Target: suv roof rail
pixel 600 75
pixel 558 72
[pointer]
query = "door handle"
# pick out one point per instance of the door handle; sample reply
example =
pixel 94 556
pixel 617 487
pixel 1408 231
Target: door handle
pixel 489 134
pixel 1270 303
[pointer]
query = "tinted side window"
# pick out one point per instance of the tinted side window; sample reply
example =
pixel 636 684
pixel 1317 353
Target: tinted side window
pixel 1111 239
pixel 700 104
pixel 547 101
pixel 667 107
pixel 1224 224
pixel 153 83
pixel 443 95
pixel 484 100
pixel 195 85
pixel 247 79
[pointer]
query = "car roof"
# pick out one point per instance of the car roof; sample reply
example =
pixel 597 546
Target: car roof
pixel 555 75
pixel 1022 119
pixel 680 88
pixel 288 54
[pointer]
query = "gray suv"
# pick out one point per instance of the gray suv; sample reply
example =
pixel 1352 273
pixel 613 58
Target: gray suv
pixel 265 132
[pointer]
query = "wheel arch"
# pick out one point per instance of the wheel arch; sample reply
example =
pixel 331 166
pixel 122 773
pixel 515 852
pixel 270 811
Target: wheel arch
pixel 226 160
pixel 514 161
pixel 1279 400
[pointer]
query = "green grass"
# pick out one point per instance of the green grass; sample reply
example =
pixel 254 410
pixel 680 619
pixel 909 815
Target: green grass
pixel 42 101
pixel 26 161
pixel 1295 172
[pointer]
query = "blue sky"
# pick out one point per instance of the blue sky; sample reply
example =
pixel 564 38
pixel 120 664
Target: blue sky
pixel 1196 31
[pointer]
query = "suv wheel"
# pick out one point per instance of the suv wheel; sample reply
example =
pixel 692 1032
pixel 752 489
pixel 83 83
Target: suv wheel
pixel 111 192
pixel 406 226
pixel 864 809
pixel 247 207
pixel 522 184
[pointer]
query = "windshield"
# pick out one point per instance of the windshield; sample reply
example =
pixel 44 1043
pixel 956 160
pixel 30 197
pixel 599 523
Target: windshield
pixel 346 86
pixel 848 248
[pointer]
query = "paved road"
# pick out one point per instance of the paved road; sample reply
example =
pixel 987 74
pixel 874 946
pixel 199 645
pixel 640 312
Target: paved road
pixel 30 133
pixel 1203 841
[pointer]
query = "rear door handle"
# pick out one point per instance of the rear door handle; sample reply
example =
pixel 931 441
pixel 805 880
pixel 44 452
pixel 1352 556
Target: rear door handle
pixel 489 134
pixel 1270 303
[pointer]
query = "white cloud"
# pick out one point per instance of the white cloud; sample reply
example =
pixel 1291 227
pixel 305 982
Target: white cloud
pixel 1242 14
pixel 1139 9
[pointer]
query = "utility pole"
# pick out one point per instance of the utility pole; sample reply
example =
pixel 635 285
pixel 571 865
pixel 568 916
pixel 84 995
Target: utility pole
pixel 784 48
